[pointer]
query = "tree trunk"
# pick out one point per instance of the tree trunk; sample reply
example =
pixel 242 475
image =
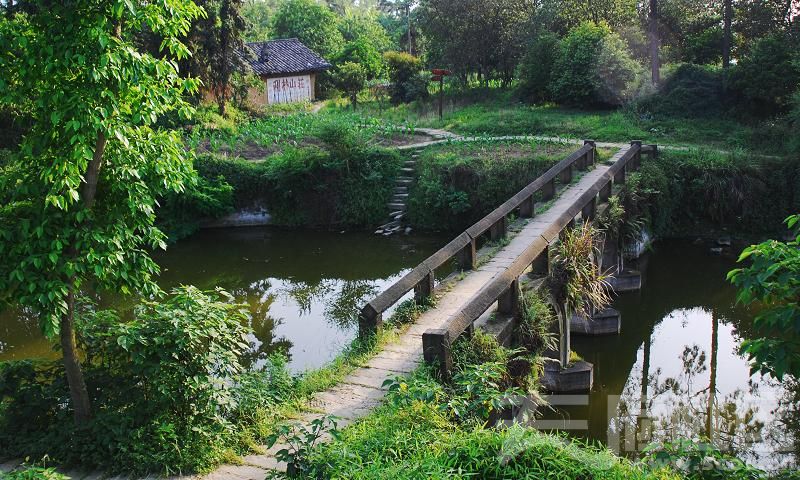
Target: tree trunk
pixel 712 381
pixel 655 63
pixel 408 24
pixel 72 365
pixel 727 17
pixel 564 343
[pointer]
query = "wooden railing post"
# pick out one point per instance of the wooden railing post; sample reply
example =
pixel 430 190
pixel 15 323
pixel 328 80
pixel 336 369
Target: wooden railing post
pixel 527 208
pixel 637 159
pixel 508 302
pixel 590 156
pixel 589 210
pixel 424 289
pixel 468 256
pixel 436 351
pixel 565 177
pixel 549 190
pixel 605 192
pixel 498 230
pixel 368 321
pixel 619 178
pixel 541 264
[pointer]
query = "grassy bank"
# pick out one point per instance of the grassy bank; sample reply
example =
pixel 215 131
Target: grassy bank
pixel 499 112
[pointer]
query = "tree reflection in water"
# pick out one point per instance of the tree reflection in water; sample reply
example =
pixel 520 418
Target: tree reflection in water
pixel 745 421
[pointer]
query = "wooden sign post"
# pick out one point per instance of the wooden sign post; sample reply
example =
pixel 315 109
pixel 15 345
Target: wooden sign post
pixel 438 76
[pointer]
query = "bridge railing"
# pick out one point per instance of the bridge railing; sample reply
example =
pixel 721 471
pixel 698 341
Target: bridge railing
pixel 504 288
pixel 463 248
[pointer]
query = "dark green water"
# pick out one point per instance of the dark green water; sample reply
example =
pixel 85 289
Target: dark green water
pixel 663 361
pixel 302 288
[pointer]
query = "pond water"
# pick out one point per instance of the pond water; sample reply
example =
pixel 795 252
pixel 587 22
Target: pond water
pixel 679 341
pixel 302 288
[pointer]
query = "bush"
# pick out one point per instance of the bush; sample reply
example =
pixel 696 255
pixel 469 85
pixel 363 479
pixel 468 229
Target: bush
pixel 404 72
pixel 535 68
pixel 164 388
pixel 180 214
pixel 350 78
pixel 341 183
pixel 593 67
pixel 704 47
pixel 459 184
pixel 767 75
pixel 689 91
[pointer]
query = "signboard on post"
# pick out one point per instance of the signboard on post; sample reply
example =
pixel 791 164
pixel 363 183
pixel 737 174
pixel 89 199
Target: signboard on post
pixel 438 76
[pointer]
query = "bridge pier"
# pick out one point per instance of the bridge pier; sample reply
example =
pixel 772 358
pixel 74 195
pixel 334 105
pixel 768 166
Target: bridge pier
pixel 575 378
pixel 607 321
pixel 436 351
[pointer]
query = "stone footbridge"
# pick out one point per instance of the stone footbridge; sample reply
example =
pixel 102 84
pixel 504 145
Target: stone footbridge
pixel 486 290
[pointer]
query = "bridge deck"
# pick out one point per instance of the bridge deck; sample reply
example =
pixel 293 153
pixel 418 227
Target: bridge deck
pixel 362 390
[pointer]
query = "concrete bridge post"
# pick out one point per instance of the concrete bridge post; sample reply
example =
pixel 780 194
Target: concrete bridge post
pixel 541 264
pixel 590 157
pixel 508 302
pixel 436 351
pixel 468 256
pixel 527 208
pixel 589 211
pixel 636 161
pixel 424 289
pixel 549 190
pixel 368 321
pixel 565 177
pixel 498 230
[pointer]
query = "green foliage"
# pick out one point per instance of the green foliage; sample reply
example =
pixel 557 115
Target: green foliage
pixel 170 393
pixel 416 440
pixel 366 40
pixel 407 83
pixel 704 47
pixel 690 91
pixel 458 184
pixel 536 321
pixel 575 280
pixel 476 349
pixel 593 67
pixel 536 67
pixel 299 441
pixel 772 281
pixel 350 78
pixel 699 461
pixel 180 214
pixel 344 183
pixel 312 23
pixel 33 473
pixel 768 75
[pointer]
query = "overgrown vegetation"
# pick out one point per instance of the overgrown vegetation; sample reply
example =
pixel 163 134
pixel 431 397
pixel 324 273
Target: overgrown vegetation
pixel 459 183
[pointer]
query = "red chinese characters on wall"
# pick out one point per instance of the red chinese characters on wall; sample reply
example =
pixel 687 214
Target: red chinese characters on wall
pixel 289 89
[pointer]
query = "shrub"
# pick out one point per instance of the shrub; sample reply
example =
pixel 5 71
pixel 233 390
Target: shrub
pixel 458 184
pixel 593 67
pixel 767 76
pixel 164 386
pixel 404 73
pixel 351 78
pixel 704 47
pixel 535 68
pixel 689 91
pixel 180 214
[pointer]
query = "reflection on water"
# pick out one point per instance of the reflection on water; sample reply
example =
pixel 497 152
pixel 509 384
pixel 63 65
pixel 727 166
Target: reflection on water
pixel 675 370
pixel 302 289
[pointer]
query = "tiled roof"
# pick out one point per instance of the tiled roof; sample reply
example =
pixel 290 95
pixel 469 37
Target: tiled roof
pixel 286 55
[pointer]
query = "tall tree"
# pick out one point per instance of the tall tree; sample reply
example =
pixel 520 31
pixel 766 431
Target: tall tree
pixel 655 64
pixel 313 24
pixel 225 40
pixel 78 197
pixel 727 34
pixel 401 9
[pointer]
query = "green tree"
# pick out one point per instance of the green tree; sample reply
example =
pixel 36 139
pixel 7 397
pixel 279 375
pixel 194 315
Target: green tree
pixel 366 40
pixel 219 38
pixel 313 24
pixel 772 281
pixel 536 67
pixel 351 78
pixel 593 67
pixel 258 15
pixel 78 197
